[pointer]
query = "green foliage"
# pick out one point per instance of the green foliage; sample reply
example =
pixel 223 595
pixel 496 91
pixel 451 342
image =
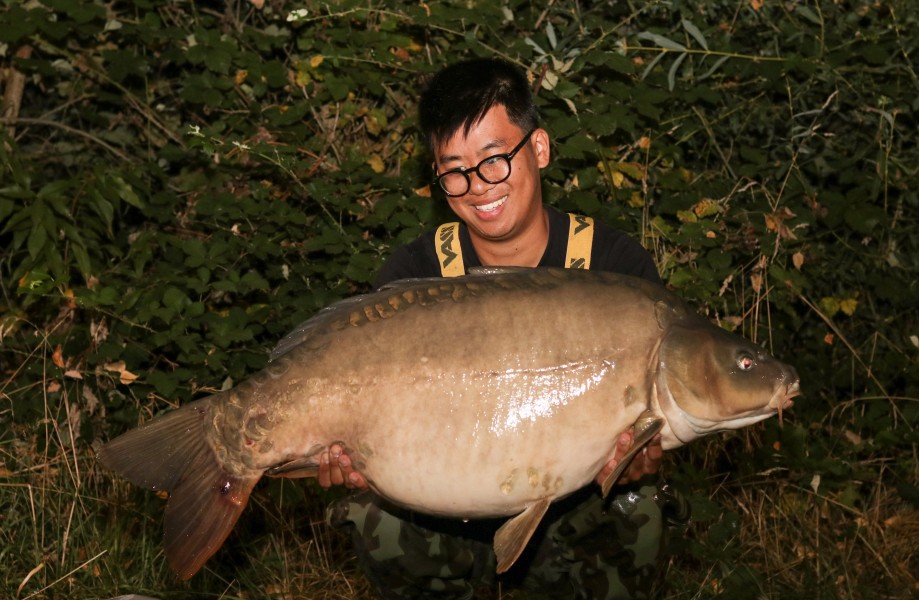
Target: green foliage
pixel 184 182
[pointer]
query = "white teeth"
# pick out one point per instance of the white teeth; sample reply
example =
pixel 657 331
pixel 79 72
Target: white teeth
pixel 492 206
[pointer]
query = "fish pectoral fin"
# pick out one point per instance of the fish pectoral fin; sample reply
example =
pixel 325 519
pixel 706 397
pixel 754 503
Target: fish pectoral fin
pixel 300 467
pixel 512 537
pixel 646 427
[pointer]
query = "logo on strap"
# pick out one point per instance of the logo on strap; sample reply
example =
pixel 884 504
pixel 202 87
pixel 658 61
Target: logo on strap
pixel 449 254
pixel 580 241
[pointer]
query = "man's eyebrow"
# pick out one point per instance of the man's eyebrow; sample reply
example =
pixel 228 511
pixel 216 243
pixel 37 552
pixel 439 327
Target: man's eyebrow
pixel 492 145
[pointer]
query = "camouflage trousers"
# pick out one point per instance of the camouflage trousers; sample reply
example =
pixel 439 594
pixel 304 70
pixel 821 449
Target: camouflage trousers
pixel 585 547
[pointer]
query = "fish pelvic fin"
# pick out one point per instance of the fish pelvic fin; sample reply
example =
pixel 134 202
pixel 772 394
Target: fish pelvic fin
pixel 171 454
pixel 512 537
pixel 646 427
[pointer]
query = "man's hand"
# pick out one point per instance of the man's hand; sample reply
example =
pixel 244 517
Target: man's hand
pixel 335 468
pixel 646 462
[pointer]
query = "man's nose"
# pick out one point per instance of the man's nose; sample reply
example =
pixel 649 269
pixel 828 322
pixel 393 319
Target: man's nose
pixel 477 185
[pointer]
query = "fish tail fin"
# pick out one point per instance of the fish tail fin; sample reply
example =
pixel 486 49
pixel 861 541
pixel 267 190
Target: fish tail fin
pixel 171 454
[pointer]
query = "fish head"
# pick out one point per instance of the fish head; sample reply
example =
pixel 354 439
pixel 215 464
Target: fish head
pixel 711 380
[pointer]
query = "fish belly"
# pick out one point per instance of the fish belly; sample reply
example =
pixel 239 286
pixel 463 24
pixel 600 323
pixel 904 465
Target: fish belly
pixel 471 406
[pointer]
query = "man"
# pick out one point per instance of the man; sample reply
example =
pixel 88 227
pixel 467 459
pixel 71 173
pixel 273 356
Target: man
pixel 480 122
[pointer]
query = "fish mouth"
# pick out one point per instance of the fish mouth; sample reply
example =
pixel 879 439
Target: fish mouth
pixel 783 400
pixel 491 205
pixel 791 391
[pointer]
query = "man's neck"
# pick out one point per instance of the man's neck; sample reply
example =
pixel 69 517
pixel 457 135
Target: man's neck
pixel 524 249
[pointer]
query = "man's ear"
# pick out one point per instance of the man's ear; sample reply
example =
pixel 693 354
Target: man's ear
pixel 540 139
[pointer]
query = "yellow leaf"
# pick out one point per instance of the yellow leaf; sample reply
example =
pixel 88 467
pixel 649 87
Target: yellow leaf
pixel 771 223
pixel 618 179
pixel 686 216
pixel 316 60
pixel 632 169
pixel 829 306
pixel 756 4
pixel 125 376
pixel 302 78
pixel 636 200
pixel 706 208
pixel 116 366
pixel 798 260
pixel 644 142
pixel 424 192
pixel 376 163
pixel 241 76
pixel 848 306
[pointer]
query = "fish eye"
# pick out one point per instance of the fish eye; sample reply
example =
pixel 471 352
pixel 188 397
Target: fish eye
pixel 745 362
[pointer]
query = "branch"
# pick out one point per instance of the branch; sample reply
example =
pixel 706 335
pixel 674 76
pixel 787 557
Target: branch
pixel 69 129
pixel 15 86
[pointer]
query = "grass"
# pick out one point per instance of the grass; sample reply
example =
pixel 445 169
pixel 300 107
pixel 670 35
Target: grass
pixel 68 529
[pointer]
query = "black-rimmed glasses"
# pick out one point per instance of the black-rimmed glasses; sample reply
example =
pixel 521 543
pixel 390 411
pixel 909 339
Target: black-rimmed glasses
pixel 493 169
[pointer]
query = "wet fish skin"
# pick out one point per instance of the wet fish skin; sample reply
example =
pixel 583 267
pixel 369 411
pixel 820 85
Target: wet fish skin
pixel 484 378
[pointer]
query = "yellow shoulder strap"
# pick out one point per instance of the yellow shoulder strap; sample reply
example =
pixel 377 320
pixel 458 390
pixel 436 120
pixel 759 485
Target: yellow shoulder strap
pixel 580 241
pixel 449 253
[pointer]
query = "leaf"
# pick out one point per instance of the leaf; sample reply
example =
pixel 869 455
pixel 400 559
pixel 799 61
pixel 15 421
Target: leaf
pixel 58 357
pixel 695 33
pixel 848 306
pixel 671 74
pixel 713 68
pixel 126 192
pixel 125 376
pixel 550 34
pixel 808 14
pixel 661 41
pixel 376 163
pixel 36 242
pixel 651 65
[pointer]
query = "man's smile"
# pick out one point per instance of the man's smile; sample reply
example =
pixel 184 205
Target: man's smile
pixel 491 205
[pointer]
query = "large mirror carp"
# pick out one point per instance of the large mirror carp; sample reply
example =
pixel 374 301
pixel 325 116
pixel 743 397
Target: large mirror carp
pixel 513 385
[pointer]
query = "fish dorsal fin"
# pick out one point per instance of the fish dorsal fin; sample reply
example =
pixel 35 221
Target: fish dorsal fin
pixel 498 270
pixel 513 536
pixel 333 312
pixel 646 427
pixel 399 284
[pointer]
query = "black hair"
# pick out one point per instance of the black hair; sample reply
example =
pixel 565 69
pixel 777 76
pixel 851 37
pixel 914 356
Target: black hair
pixel 459 95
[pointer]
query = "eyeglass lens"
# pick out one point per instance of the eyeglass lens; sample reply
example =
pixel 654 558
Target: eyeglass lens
pixel 493 169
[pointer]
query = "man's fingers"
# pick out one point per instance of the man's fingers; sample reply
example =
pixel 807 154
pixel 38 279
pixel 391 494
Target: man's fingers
pixel 336 468
pixel 324 476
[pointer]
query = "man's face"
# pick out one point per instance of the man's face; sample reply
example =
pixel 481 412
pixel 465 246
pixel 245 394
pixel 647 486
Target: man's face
pixel 496 211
